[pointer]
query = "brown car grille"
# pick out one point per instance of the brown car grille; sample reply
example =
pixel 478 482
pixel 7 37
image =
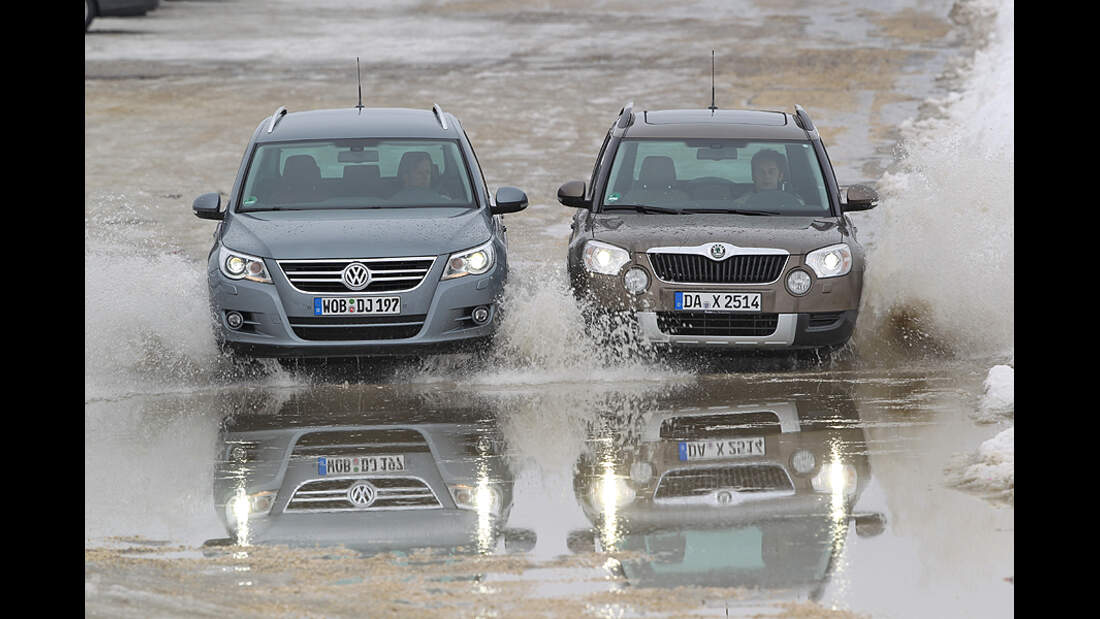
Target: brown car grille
pixel 695 269
pixel 721 425
pixel 387 274
pixel 392 493
pixel 358 328
pixel 741 478
pixel 721 324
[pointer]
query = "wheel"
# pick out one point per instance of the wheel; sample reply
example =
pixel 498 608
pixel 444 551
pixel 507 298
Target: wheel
pixel 89 13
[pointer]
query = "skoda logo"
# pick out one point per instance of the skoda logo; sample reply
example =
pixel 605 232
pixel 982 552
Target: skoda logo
pixel 355 276
pixel 717 251
pixel 362 494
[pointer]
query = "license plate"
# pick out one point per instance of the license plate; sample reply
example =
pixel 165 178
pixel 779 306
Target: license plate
pixel 350 306
pixel 718 301
pixel 362 464
pixel 729 448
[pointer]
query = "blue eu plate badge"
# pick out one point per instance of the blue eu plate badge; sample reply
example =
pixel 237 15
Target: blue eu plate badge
pixel 322 466
pixel 679 300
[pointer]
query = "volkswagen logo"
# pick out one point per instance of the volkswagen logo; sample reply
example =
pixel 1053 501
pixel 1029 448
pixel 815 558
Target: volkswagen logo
pixel 362 494
pixel 717 251
pixel 724 497
pixel 355 276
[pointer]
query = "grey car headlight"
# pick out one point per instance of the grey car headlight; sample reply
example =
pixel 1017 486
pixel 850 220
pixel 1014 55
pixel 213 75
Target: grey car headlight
pixel 236 265
pixel 470 262
pixel 831 261
pixel 604 258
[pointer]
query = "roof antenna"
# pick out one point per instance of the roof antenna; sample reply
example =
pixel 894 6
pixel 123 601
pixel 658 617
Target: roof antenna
pixel 712 105
pixel 360 78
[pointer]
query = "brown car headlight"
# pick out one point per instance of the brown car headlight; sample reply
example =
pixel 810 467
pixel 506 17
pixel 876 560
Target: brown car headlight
pixel 832 261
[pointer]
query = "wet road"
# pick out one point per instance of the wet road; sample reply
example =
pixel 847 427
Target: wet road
pixel 551 477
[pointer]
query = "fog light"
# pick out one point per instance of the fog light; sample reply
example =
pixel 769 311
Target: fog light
pixel 234 320
pixel 636 280
pixel 641 472
pixel 803 461
pixel 798 282
pixel 480 314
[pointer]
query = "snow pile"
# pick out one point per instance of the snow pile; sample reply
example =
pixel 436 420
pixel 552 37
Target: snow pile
pixel 999 391
pixel 992 471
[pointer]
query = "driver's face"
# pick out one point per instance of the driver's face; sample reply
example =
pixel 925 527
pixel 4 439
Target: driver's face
pixel 420 175
pixel 766 175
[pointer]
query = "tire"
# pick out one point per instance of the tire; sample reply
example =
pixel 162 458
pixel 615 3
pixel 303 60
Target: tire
pixel 89 13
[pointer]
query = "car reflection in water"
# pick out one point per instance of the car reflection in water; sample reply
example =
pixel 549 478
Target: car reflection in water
pixel 756 495
pixel 320 472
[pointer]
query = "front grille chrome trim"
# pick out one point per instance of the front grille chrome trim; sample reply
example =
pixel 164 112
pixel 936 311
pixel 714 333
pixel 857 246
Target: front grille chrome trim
pixel 379 274
pixel 420 490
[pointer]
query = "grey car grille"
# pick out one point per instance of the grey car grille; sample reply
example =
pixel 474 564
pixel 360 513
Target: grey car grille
pixel 741 478
pixel 393 493
pixel 695 269
pixel 361 442
pixel 357 328
pixel 387 274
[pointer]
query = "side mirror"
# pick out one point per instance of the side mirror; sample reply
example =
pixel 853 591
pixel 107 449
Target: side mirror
pixel 519 540
pixel 869 525
pixel 509 200
pixel 860 198
pixel 208 206
pixel 572 194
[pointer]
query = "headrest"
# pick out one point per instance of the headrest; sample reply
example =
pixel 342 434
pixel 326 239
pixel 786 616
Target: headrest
pixel 657 171
pixel 410 159
pixel 361 173
pixel 301 168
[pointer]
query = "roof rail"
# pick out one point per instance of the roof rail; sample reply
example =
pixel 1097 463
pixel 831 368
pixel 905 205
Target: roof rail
pixel 803 118
pixel 626 116
pixel 438 111
pixel 279 113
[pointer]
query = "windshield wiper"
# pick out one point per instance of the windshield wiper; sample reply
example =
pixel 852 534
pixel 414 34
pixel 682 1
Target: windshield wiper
pixel 730 210
pixel 641 208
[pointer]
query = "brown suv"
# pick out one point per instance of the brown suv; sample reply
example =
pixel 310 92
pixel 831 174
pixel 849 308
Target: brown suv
pixel 719 228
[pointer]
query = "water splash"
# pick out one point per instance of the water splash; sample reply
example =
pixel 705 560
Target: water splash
pixel 940 275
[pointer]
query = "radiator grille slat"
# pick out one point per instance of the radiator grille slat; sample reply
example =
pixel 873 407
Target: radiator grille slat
pixel 725 324
pixel 357 328
pixel 392 493
pixel 696 269
pixel 743 478
pixel 387 274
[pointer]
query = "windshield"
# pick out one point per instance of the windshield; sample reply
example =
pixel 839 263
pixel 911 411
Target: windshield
pixel 327 174
pixel 765 177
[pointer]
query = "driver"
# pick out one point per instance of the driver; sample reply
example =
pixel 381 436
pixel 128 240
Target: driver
pixel 768 172
pixel 415 171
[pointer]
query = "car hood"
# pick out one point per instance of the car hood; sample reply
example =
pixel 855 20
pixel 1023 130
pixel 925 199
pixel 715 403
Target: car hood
pixel 359 233
pixel 641 232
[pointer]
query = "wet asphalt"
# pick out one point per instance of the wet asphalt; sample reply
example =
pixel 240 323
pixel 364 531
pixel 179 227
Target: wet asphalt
pixel 547 477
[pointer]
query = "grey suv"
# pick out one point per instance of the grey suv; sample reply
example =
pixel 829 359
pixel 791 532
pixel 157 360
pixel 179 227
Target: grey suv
pixel 719 228
pixel 357 231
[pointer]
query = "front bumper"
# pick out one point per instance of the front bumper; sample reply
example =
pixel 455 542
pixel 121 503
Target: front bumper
pixel 279 320
pixel 823 317
pixel 792 331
